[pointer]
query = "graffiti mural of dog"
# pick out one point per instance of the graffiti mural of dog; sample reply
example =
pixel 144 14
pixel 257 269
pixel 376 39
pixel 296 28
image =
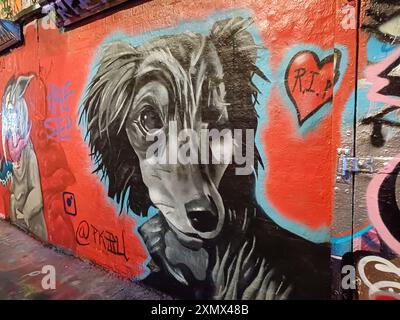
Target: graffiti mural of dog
pixel 210 239
pixel 26 202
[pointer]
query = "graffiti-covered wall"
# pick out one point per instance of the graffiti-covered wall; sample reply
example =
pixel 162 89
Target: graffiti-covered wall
pixel 372 155
pixel 194 145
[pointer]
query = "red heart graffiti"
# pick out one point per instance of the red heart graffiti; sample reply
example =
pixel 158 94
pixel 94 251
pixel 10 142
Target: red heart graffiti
pixel 310 82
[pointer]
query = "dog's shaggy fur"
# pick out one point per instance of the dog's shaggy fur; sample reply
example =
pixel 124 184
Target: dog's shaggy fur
pixel 251 257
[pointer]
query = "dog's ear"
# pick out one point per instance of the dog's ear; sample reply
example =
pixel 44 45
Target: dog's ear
pixel 235 44
pixel 108 99
pixel 237 51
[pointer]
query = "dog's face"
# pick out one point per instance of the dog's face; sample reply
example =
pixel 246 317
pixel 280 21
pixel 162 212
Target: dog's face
pixel 173 84
pixel 186 193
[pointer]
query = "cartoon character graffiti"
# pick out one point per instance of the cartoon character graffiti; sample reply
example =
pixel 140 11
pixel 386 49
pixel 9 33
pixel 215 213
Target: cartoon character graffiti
pixel 210 239
pixel 26 202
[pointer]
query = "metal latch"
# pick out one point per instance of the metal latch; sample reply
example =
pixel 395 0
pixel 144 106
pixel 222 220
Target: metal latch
pixel 355 164
pixel 348 165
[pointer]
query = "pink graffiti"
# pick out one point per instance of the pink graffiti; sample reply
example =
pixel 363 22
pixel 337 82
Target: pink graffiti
pixel 373 205
pixel 378 83
pixel 16 147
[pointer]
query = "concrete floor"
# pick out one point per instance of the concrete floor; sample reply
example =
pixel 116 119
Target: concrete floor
pixel 22 259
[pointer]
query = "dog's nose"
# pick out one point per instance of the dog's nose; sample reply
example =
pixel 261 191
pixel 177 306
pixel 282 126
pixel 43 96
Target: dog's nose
pixel 202 214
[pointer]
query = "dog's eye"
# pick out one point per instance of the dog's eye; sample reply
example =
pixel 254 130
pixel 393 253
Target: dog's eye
pixel 150 120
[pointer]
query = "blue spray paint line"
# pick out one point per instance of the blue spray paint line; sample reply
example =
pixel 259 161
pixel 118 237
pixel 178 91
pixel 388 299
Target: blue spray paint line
pixel 359 233
pixel 313 121
pixel 341 245
pixel 319 235
pixel 378 50
pixel 363 107
pixel 348 112
pixel 340 249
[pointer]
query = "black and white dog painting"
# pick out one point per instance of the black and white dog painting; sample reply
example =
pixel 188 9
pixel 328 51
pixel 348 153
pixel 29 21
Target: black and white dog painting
pixel 210 238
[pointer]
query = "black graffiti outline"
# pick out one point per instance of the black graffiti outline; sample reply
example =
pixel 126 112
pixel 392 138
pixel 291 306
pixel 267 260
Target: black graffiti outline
pixel 320 64
pixel 378 121
pixel 388 208
pixel 82 232
pixel 378 13
pixel 106 240
pixel 66 210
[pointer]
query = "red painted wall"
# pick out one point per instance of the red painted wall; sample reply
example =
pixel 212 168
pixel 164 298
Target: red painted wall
pixel 300 158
